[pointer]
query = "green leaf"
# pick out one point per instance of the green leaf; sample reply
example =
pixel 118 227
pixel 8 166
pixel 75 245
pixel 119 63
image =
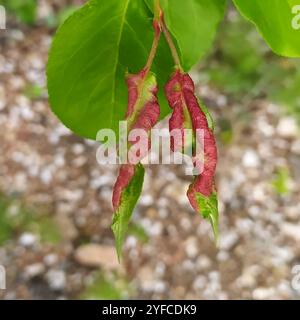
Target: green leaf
pixel 90 55
pixel 209 211
pixel 128 201
pixel 193 23
pixel 273 19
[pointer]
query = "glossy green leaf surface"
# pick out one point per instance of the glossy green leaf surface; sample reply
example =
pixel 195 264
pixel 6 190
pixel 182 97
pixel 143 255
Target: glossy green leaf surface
pixel 193 23
pixel 90 55
pixel 278 21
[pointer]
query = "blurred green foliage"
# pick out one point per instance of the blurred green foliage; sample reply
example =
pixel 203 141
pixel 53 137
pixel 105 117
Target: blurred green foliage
pixel 34 91
pixel 23 10
pixel 138 232
pixel 280 182
pixel 26 12
pixel 226 132
pixel 242 65
pixel 15 218
pixel 107 287
pixel 54 20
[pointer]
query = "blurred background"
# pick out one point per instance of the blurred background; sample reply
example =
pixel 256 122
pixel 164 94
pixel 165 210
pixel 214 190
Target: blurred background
pixel 55 210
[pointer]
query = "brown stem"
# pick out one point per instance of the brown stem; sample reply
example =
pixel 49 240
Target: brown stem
pixel 160 26
pixel 158 11
pixel 171 44
pixel 153 51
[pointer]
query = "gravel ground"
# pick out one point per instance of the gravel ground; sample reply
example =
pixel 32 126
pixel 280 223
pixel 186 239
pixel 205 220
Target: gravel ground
pixel 54 172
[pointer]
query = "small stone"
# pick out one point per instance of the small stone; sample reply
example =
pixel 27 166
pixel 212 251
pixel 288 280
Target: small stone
pixel 266 129
pixel 223 256
pixel 191 247
pixel 254 211
pixel 291 231
pixel 246 280
pixel 186 224
pixel 214 276
pixel 160 269
pixel 131 242
pixel 221 100
pixel 188 265
pixel 95 255
pixel 281 255
pixel 153 229
pixel 146 278
pixel 159 287
pixel 50 259
pixel 146 200
pixel 34 270
pixel 200 282
pixel 263 293
pixel 285 290
pixel 56 279
pixel 46 175
pixel 203 262
pixel 293 212
pixel 228 240
pixel 258 193
pixel 162 202
pixel 287 128
pixel 78 149
pixel 163 213
pixel 250 159
pixel 44 10
pixel 27 239
pixel 2 98
pixel 66 227
pixel 100 181
pixel 296 147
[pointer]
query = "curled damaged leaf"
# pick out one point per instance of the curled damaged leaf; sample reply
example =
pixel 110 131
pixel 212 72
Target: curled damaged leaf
pixel 187 114
pixel 142 113
pixel 129 189
pixel 143 109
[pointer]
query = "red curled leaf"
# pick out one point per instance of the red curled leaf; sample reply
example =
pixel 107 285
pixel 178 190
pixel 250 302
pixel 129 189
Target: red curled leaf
pixel 187 114
pixel 142 113
pixel 125 175
pixel 143 108
pixel 177 120
pixel 129 197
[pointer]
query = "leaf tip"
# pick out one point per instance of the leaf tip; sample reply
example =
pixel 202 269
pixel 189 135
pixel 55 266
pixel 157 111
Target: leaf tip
pixel 208 208
pixel 118 239
pixel 214 221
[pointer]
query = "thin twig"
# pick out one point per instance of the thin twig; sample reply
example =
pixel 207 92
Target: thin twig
pixel 153 51
pixel 171 44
